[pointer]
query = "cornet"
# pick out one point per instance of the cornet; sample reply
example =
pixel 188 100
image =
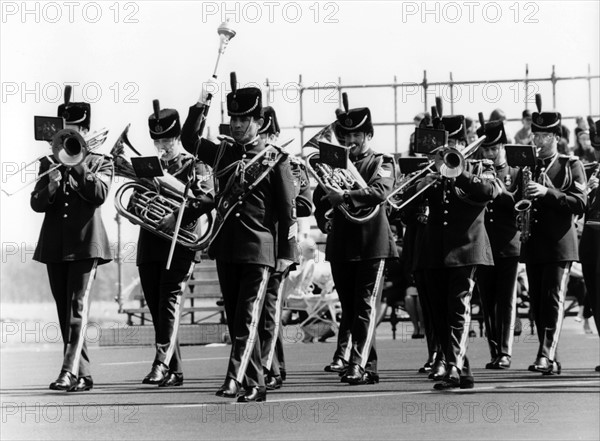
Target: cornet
pixel 69 148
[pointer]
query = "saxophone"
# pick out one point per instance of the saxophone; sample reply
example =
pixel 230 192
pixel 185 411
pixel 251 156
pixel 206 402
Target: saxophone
pixel 523 208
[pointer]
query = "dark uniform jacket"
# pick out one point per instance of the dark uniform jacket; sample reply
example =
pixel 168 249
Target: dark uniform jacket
pixel 349 241
pixel 455 232
pixel 263 227
pixel 154 248
pixel 72 227
pixel 500 220
pixel 553 233
pixel 589 245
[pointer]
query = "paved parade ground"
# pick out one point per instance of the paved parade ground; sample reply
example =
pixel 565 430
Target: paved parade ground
pixel 512 404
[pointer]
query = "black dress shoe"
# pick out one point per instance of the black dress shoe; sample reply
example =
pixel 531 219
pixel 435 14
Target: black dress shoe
pixel 65 381
pixel 491 364
pixel 425 369
pixel 157 374
pixel 283 374
pixel 450 381
pixel 353 375
pixel 357 375
pixel 253 394
pixel 172 379
pixel 542 364
pixel 467 382
pixel 83 384
pixel 502 362
pixel 597 368
pixel 555 369
pixel 438 371
pixel 230 389
pixel 337 365
pixel 273 383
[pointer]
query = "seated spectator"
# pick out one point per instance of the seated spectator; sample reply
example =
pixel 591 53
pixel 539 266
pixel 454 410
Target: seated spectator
pixel 525 135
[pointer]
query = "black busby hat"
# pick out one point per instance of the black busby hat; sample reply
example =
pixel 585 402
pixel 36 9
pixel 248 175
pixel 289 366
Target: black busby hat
pixel 456 127
pixel 494 133
pixel 75 113
pixel 244 102
pixel 354 120
pixel 270 125
pixel 545 121
pixel 594 133
pixel 163 123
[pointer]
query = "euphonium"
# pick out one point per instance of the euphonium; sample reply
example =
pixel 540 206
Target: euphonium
pixel 150 202
pixel 523 208
pixel 345 178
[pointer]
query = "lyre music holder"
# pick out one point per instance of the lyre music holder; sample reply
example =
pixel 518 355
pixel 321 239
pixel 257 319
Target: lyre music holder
pixel 521 155
pixel 336 156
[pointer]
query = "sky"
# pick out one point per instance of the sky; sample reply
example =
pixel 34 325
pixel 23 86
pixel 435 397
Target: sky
pixel 119 56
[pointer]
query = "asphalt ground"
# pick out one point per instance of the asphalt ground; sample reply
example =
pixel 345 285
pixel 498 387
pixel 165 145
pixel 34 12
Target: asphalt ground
pixel 511 404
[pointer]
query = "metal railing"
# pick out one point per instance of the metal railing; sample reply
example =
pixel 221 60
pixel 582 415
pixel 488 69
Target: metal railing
pixel 424 86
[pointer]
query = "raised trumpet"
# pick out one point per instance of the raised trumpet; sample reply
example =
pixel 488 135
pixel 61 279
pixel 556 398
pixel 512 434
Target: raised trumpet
pixel 69 148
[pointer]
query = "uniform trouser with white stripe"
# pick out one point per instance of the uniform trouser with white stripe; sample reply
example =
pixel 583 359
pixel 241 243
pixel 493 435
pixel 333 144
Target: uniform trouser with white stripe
pixel 547 287
pixel 498 293
pixel 359 285
pixel 451 290
pixel 270 324
pixel 591 276
pixel 71 283
pixel 163 291
pixel 243 286
pixel 433 342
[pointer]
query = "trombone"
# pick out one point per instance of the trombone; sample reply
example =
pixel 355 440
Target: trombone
pixel 448 161
pixel 69 148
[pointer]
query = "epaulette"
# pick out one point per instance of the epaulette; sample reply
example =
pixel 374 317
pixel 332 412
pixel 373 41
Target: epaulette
pixel 387 158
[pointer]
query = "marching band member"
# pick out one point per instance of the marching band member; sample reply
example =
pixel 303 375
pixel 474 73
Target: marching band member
pixel 163 288
pixel 589 245
pixel 454 244
pixel 73 242
pixel 357 252
pixel 257 231
pixel 557 190
pixel 498 284
pixel 271 333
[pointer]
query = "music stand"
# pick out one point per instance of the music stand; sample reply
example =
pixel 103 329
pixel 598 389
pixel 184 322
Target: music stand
pixel 147 166
pixel 521 155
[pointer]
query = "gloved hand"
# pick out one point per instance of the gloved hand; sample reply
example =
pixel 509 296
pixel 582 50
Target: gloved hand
pixel 208 87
